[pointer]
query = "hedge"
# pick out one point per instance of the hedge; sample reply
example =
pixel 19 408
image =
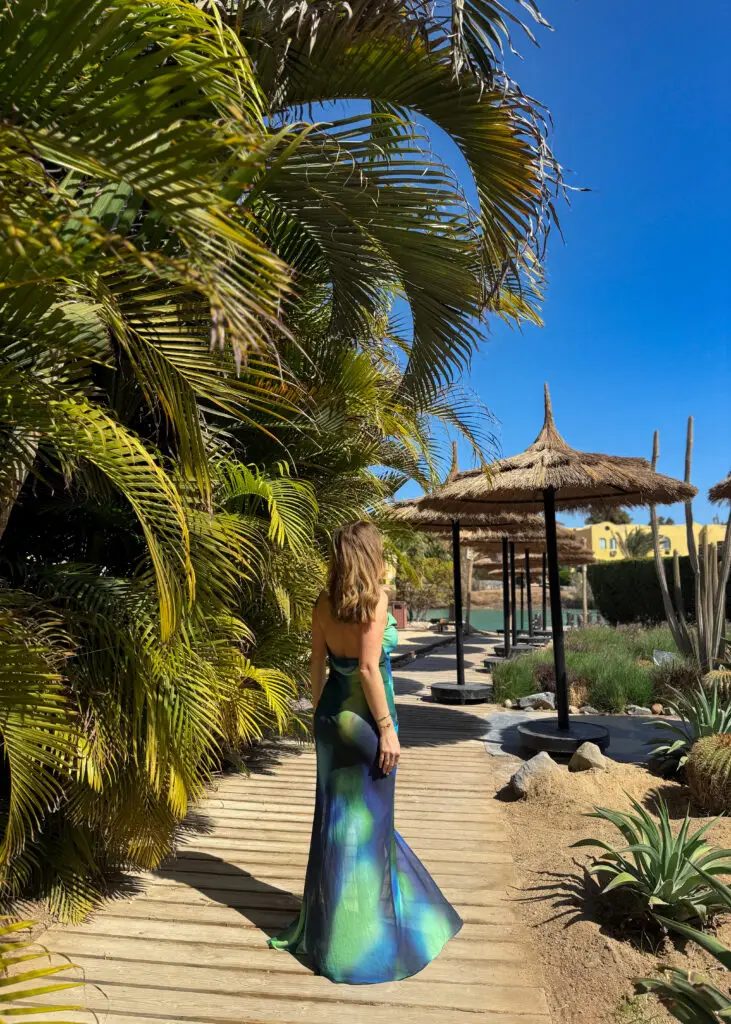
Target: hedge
pixel 628 591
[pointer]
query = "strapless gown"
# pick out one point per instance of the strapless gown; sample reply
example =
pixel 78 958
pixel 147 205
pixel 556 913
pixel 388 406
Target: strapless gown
pixel 371 911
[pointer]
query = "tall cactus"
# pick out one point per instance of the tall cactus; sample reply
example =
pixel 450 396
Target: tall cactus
pixel 704 639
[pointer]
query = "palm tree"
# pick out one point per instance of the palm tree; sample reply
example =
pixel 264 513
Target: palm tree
pixel 636 544
pixel 198 372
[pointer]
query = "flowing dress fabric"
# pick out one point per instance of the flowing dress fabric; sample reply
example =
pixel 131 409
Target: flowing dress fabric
pixel 371 911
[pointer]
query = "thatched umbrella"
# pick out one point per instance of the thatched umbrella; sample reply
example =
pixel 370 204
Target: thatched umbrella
pixel 721 491
pixel 474 527
pixel 571 552
pixel 528 543
pixel 547 475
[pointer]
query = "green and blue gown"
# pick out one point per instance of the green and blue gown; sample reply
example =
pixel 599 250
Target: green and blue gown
pixel 371 911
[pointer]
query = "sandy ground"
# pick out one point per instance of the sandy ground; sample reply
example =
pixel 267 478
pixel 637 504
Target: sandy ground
pixel 588 963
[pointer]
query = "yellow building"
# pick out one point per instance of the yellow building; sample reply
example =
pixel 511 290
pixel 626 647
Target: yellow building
pixel 606 539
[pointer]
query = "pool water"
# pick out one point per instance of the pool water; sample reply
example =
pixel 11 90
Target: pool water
pixel 492 618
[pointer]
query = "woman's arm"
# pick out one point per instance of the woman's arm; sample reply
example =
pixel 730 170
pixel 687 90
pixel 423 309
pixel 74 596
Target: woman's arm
pixel 371 644
pixel 318 657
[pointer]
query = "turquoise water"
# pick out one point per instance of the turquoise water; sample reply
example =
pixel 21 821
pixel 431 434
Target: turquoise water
pixel 492 618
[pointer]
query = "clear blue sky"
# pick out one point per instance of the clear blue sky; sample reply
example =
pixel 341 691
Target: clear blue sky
pixel 636 333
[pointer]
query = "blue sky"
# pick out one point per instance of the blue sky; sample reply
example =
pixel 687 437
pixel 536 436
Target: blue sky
pixel 636 333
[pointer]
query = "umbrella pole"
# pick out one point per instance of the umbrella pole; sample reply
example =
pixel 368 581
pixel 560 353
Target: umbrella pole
pixel 522 603
pixel 543 595
pixel 584 596
pixel 457 569
pixel 513 605
pixel 506 598
pixel 559 654
pixel 530 596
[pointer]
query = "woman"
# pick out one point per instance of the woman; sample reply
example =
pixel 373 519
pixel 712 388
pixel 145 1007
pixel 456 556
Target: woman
pixel 371 911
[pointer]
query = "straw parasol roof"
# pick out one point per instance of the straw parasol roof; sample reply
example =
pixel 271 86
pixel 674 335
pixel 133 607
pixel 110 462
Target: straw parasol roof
pixel 721 491
pixel 411 513
pixel 568 558
pixel 580 479
pixel 533 542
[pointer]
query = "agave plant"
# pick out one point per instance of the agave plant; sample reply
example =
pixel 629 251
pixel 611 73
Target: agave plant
pixel 702 712
pixel 690 995
pixel 18 986
pixel 668 874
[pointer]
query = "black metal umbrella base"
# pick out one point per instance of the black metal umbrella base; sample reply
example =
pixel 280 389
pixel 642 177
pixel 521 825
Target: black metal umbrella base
pixel 468 693
pixel 544 734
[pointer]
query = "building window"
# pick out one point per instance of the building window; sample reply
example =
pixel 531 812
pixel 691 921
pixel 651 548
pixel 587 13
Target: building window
pixel 603 543
pixel 665 545
pixel 613 544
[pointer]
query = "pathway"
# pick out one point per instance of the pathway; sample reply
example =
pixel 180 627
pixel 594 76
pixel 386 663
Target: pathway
pixel 190 947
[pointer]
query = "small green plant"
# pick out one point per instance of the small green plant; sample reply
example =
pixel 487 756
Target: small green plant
pixel 666 873
pixel 708 773
pixel 701 713
pixel 689 995
pixel 14 952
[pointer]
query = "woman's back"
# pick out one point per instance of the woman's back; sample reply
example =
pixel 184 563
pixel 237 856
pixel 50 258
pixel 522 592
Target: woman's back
pixel 345 639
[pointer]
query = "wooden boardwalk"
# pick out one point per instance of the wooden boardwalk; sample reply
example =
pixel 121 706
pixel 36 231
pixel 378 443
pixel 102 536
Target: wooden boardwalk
pixel 190 947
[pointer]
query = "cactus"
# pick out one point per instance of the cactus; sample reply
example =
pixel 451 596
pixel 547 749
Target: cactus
pixel 708 771
pixel 704 640
pixel 720 677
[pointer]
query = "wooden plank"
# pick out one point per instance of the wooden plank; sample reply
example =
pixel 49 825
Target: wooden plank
pixel 301 1012
pixel 241 932
pixel 237 851
pixel 229 888
pixel 265 910
pixel 233 995
pixel 499 959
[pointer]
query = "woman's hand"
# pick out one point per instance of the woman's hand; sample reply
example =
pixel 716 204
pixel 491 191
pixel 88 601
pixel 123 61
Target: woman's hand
pixel 389 748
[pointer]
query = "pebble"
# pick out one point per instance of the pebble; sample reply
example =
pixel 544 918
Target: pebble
pixel 573 710
pixel 538 702
pixel 508 703
pixel 657 709
pixel 587 709
pixel 637 709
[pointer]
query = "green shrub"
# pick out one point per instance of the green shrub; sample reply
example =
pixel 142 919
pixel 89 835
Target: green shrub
pixel 614 683
pixel 596 659
pixel 515 678
pixel 680 674
pixel 708 771
pixel 659 868
pixel 634 641
pixel 628 591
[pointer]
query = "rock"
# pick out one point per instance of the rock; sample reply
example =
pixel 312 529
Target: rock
pixel 657 709
pixel 538 765
pixel 587 709
pixel 588 755
pixel 573 710
pixel 538 702
pixel 508 704
pixel 636 709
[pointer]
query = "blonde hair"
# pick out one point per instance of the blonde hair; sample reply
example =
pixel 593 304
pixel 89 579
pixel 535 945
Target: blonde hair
pixel 356 567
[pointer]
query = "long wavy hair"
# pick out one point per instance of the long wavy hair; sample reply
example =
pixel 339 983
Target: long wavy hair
pixel 356 567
